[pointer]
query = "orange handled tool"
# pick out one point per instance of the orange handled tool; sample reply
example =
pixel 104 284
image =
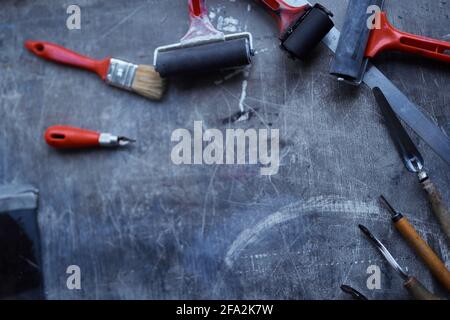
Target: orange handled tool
pixel 429 257
pixel 66 137
pixel 389 38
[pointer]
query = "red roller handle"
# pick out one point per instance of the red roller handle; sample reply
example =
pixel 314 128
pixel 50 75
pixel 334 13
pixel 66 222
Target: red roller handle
pixel 284 14
pixel 389 38
pixel 56 53
pixel 66 137
pixel 197 8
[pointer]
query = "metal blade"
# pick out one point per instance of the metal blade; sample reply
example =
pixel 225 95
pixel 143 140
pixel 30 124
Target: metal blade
pixel 402 106
pixel 408 152
pixel 410 114
pixel 388 256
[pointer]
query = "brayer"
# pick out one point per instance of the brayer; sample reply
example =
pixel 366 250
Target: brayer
pixel 358 42
pixel 203 48
pixel 301 27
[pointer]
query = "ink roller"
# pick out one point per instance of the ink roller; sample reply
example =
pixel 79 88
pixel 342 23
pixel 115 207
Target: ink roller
pixel 203 48
pixel 301 28
pixel 360 41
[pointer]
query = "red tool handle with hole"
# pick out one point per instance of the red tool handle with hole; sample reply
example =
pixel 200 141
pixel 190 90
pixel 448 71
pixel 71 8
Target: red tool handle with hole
pixel 389 38
pixel 284 14
pixel 66 137
pixel 56 53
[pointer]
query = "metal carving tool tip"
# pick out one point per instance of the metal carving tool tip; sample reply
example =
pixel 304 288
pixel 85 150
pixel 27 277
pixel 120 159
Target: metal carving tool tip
pixel 353 292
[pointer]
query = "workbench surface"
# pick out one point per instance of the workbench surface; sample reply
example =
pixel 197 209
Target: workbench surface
pixel 141 227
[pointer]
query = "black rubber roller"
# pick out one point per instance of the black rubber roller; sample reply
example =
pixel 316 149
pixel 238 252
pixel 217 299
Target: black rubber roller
pixel 202 58
pixel 306 33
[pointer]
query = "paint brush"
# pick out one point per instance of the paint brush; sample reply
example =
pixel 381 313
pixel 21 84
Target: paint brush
pixel 141 79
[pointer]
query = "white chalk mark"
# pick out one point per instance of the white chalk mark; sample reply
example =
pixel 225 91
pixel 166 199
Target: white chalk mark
pixel 261 51
pixel 294 211
pixel 243 95
pixel 228 24
pixel 122 21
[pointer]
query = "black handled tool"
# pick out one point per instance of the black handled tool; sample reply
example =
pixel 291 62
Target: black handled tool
pixel 415 288
pixel 413 160
pixel 353 292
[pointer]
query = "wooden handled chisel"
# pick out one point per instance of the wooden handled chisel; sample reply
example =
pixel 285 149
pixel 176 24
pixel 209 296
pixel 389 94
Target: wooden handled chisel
pixel 414 286
pixel 413 161
pixel 420 246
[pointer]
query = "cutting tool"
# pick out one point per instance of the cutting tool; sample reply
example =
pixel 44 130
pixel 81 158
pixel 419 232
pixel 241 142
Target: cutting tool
pixel 415 288
pixel 67 137
pixel 413 160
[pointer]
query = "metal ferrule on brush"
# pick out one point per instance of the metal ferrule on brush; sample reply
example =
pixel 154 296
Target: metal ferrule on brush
pixel 121 73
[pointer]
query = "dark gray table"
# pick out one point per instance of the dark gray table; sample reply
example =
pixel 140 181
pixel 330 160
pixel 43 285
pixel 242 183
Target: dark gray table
pixel 141 227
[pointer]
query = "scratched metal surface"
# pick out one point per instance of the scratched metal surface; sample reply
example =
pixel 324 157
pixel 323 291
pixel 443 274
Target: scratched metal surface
pixel 140 227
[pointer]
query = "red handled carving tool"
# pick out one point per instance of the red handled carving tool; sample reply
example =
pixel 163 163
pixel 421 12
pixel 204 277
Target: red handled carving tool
pixel 141 79
pixel 66 137
pixel 301 27
pixel 203 48
pixel 415 288
pixel 358 43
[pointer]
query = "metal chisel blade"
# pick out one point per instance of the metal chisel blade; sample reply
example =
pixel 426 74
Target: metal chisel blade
pixel 408 152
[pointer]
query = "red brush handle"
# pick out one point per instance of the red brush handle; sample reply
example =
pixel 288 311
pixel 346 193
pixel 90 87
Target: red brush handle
pixel 56 53
pixel 389 38
pixel 284 14
pixel 197 8
pixel 66 137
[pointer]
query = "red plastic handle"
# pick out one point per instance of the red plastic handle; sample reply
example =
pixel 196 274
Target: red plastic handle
pixel 66 137
pixel 389 38
pixel 197 8
pixel 56 53
pixel 284 14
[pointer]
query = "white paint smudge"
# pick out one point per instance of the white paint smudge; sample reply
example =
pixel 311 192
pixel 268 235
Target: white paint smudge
pixel 243 95
pixel 228 24
pixel 261 51
pixel 212 15
pixel 294 211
